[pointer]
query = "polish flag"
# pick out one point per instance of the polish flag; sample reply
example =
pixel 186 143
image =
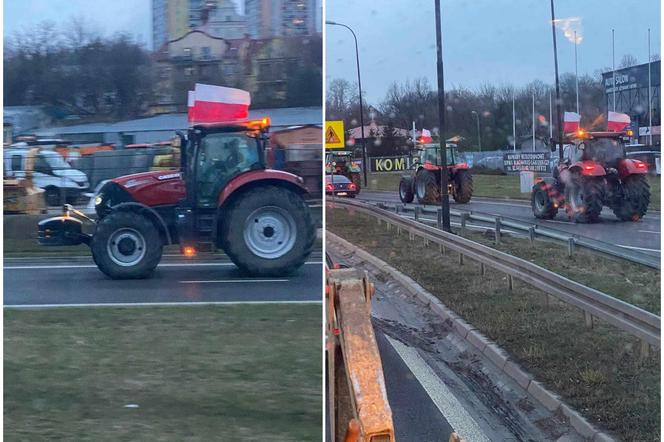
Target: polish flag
pixel 617 122
pixel 572 122
pixel 191 99
pixel 213 104
pixel 426 136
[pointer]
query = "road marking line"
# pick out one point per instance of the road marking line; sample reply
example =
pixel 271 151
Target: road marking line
pixel 233 281
pixel 649 231
pixel 92 266
pixel 442 397
pixel 155 304
pixel 638 248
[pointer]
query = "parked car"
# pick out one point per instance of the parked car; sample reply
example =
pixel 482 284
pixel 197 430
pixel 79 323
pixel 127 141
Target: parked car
pixel 51 172
pixel 339 185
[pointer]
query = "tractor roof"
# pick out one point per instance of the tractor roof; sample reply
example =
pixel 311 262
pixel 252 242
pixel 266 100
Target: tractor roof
pixel 235 126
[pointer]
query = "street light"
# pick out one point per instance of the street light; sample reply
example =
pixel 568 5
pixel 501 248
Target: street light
pixel 479 136
pixel 365 163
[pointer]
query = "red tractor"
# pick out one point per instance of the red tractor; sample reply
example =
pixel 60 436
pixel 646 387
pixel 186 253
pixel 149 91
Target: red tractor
pixel 594 173
pixel 425 184
pixel 223 197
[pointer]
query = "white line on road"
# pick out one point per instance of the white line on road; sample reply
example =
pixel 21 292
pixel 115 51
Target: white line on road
pixel 92 266
pixel 649 231
pixel 232 281
pixel 155 304
pixel 449 406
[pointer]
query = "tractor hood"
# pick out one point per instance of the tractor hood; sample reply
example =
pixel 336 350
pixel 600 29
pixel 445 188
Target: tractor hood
pixel 162 187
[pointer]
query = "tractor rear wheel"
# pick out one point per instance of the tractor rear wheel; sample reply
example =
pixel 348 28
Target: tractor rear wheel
pixel 463 186
pixel 584 198
pixel 426 188
pixel 126 245
pixel 267 231
pixel 406 190
pixel 635 199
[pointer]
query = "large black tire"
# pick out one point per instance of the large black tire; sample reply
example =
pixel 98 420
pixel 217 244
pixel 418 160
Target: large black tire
pixel 357 180
pixel 52 197
pixel 426 188
pixel 126 245
pixel 463 186
pixel 541 202
pixel 267 231
pixel 635 199
pixel 406 194
pixel 584 198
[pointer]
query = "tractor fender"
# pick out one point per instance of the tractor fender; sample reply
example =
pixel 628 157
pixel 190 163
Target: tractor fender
pixel 152 214
pixel 459 166
pixel 630 167
pixel 588 168
pixel 429 166
pixel 267 176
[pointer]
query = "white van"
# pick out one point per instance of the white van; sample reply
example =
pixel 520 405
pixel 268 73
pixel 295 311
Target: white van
pixel 51 173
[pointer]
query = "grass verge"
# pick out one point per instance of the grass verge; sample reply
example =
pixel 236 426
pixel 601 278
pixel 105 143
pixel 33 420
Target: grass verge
pixel 495 186
pixel 597 371
pixel 196 373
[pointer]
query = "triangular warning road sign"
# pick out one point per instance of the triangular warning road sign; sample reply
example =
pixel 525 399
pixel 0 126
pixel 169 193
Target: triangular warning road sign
pixel 331 136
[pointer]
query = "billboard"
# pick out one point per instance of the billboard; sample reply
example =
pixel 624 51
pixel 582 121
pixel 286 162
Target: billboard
pixel 527 162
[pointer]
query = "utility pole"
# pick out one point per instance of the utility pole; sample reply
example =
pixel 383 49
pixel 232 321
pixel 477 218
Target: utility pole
pixel 649 92
pixel 444 200
pixel 513 122
pixel 613 56
pixel 533 122
pixel 555 62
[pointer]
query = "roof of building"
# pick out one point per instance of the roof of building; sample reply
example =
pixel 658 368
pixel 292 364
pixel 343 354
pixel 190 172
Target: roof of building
pixel 282 117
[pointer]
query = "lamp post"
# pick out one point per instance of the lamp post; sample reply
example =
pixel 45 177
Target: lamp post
pixel 479 136
pixel 365 163
pixel 559 122
pixel 444 200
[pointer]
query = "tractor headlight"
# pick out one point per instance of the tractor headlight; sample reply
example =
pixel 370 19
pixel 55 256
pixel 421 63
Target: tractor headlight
pixel 98 200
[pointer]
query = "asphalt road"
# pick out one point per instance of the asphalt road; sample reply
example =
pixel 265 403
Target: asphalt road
pixel 643 235
pixel 47 281
pixel 436 384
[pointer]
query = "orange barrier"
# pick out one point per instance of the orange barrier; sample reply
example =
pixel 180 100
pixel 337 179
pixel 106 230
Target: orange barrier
pixel 356 384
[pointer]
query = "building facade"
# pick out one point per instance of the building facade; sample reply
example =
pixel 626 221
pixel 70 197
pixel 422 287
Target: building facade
pixel 282 18
pixel 631 97
pixel 172 19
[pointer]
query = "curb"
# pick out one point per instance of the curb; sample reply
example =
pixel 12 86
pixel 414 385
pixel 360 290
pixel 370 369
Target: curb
pixel 483 345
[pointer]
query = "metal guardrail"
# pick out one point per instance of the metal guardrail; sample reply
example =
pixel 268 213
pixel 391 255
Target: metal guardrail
pixel 539 230
pixel 629 318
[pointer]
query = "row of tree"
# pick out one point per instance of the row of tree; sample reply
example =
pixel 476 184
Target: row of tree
pixel 416 101
pixel 74 70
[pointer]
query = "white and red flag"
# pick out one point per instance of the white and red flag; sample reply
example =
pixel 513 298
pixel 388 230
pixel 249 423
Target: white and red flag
pixel 213 104
pixel 572 122
pixel 617 122
pixel 426 136
pixel 191 98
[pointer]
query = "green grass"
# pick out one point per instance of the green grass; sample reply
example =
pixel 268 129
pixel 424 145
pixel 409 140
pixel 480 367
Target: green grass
pixel 495 186
pixel 196 374
pixel 597 371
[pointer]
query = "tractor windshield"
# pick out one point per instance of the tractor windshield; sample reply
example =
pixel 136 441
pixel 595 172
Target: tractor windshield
pixel 221 157
pixel 432 155
pixel 604 150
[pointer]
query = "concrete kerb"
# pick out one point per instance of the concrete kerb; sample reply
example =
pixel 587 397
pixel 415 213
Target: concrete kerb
pixel 484 345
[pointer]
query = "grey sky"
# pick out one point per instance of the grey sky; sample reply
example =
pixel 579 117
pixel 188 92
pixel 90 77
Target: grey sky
pixel 497 41
pixel 108 17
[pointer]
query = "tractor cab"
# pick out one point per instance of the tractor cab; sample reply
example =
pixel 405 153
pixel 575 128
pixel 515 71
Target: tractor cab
pixel 601 147
pixel 430 154
pixel 217 153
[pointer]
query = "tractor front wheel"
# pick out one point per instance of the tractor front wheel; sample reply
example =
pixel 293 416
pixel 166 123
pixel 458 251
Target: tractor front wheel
pixel 406 190
pixel 635 198
pixel 542 203
pixel 584 198
pixel 126 245
pixel 267 231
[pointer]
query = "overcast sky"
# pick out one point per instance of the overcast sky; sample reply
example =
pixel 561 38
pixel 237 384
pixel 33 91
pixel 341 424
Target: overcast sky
pixel 107 16
pixel 497 41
